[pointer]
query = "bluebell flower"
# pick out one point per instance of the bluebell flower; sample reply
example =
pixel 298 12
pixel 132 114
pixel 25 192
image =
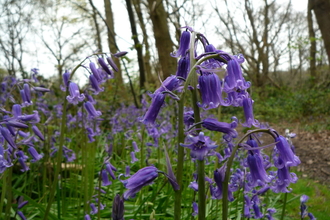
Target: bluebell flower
pixel 258 174
pixel 95 85
pixel 105 66
pixel 270 212
pixel 288 158
pixel 87 217
pixel 193 186
pixel 135 147
pixel 219 177
pixel 16 110
pixel 4 164
pixel 311 216
pixel 112 64
pixel 283 179
pixel 188 118
pixel 199 145
pixel 15 124
pixel 234 79
pixel 247 104
pixel 25 101
pixel 142 177
pixel 21 202
pixel 247 207
pixel 90 135
pixel 37 132
pixel 237 180
pixel 75 95
pixel 40 89
pixel 94 210
pixel 183 66
pixel 184 44
pixel 21 215
pixel 69 155
pixel 170 84
pixel 118 208
pixel 34 154
pixel 156 103
pixel 105 178
pixel 23 165
pixel 303 206
pixel 223 127
pixel 127 171
pixel 120 54
pixel 31 118
pixel 195 209
pixel 257 212
pixel 133 158
pixel 90 98
pixel 92 113
pixel 7 136
pixel 109 168
pixel 65 78
pixel 27 93
pixel 210 90
pixel 95 71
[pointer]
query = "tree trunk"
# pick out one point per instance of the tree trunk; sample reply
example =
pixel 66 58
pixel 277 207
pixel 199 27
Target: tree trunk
pixel 146 58
pixel 112 37
pixel 322 13
pixel 97 28
pixel 163 40
pixel 137 45
pixel 312 49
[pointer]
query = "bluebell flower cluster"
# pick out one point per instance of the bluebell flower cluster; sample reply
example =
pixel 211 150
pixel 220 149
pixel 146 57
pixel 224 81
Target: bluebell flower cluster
pixel 258 171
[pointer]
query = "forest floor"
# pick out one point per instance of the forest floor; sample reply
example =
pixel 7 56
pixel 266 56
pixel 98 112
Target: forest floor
pixel 313 149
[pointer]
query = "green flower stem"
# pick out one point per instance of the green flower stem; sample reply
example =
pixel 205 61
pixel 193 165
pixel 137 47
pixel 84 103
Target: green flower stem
pixel 192 81
pixel 142 153
pixel 58 159
pixel 201 190
pixel 284 205
pixel 227 175
pixel 9 192
pixel 179 168
pixel 60 148
pixel 4 189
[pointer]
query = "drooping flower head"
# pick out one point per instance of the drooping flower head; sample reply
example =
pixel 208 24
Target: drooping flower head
pixel 210 89
pixel 184 44
pixel 75 95
pixel 92 113
pixel 258 174
pixel 66 78
pixel 303 206
pixel 105 66
pixel 112 64
pixel 234 79
pixel 247 104
pixel 283 178
pixel 142 177
pixel 118 208
pixel 226 128
pixel 285 153
pixel 170 84
pixel 153 111
pixel 183 66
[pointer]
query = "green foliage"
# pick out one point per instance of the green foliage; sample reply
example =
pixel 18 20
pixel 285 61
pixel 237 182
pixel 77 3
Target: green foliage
pixel 308 106
pixel 319 196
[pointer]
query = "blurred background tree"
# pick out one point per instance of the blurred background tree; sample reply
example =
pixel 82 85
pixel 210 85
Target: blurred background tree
pixel 273 37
